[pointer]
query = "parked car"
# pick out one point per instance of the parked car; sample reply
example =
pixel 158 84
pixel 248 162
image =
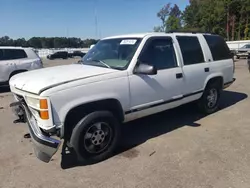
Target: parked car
pixel 14 60
pixel 77 54
pixel 120 79
pixel 58 55
pixel 243 51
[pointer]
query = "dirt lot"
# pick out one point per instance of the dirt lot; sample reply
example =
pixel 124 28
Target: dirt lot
pixel 173 149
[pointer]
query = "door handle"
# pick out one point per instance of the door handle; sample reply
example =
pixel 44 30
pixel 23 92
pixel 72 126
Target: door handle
pixel 206 69
pixel 179 75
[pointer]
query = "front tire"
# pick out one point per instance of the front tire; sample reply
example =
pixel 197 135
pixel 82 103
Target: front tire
pixel 209 102
pixel 95 137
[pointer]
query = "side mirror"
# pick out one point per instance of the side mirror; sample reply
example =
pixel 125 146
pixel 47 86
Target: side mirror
pixel 146 69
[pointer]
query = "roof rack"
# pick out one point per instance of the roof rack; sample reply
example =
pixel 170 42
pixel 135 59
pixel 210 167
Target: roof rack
pixel 193 32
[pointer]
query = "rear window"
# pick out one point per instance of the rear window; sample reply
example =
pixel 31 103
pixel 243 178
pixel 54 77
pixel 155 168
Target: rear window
pixel 218 47
pixel 10 54
pixel 191 50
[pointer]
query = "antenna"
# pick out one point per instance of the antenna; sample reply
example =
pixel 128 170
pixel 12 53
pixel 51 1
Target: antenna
pixel 96 22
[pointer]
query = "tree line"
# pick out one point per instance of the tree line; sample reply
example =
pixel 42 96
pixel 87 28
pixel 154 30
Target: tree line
pixel 48 42
pixel 228 18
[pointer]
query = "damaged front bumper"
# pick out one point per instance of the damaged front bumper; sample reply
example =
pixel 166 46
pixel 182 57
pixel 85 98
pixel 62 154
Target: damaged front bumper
pixel 44 146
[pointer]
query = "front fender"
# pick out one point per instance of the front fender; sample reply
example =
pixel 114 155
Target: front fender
pixel 81 101
pixel 65 100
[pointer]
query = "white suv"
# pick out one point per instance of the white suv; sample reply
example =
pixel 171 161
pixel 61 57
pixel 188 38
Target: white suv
pixel 14 60
pixel 120 79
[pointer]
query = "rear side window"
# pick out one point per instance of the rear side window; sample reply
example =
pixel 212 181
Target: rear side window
pixel 218 47
pixel 10 54
pixel 1 54
pixel 191 50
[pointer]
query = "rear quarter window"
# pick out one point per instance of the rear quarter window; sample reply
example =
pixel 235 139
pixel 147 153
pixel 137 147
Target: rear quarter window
pixel 218 47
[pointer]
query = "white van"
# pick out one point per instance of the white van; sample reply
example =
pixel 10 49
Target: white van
pixel 14 60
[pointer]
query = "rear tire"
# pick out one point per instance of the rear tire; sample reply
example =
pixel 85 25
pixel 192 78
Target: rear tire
pixel 209 102
pixel 95 137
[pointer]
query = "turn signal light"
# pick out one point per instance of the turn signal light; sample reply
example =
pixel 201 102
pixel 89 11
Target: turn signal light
pixel 44 114
pixel 43 104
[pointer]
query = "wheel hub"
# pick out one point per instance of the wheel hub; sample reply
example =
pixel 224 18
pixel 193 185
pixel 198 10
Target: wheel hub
pixel 98 137
pixel 212 98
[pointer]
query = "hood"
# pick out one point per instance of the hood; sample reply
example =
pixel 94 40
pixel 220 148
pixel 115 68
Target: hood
pixel 36 81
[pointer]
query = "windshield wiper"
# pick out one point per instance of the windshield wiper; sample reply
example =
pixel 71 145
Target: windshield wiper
pixel 100 61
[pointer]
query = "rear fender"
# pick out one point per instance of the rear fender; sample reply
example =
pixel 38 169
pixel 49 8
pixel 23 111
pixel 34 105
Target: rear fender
pixel 211 76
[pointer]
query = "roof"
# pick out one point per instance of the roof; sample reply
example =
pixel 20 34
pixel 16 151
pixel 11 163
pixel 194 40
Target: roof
pixel 12 47
pixel 142 35
pixel 135 35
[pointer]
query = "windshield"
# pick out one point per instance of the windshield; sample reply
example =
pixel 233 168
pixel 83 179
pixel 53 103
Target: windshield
pixel 112 53
pixel 246 46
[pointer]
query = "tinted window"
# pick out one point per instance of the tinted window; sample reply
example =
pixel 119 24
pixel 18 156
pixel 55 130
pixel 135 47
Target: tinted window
pixel 191 50
pixel 1 54
pixel 9 54
pixel 218 47
pixel 160 53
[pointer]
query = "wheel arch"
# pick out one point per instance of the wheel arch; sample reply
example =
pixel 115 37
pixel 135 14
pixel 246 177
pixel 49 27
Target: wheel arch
pixel 214 78
pixel 76 113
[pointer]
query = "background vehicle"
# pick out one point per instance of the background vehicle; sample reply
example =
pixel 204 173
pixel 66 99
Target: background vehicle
pixel 77 54
pixel 243 51
pixel 14 60
pixel 58 55
pixel 120 79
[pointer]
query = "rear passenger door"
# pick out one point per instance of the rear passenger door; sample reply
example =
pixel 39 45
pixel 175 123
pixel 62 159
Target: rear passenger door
pixel 195 66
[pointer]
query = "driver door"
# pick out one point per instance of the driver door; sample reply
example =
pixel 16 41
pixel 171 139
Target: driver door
pixel 154 93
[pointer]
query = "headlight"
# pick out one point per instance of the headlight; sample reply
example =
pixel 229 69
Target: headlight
pixel 41 105
pixel 33 102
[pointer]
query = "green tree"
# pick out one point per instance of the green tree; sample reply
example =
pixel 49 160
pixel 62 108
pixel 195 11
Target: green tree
pixel 48 42
pixel 163 15
pixel 35 42
pixel 174 20
pixel 170 18
pixel 228 18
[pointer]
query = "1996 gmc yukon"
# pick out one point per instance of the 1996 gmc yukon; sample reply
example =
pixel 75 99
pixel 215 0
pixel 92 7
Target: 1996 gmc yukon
pixel 120 79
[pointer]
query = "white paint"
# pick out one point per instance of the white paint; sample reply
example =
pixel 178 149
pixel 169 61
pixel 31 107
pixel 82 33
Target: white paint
pixel 35 81
pixel 84 84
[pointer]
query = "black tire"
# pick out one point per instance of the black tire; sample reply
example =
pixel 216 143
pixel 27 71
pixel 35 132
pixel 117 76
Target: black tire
pixel 205 106
pixel 237 57
pixel 86 133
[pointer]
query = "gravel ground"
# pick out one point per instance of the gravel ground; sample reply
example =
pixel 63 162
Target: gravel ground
pixel 174 149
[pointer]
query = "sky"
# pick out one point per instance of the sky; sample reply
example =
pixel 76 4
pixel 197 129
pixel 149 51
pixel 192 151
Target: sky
pixel 76 18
